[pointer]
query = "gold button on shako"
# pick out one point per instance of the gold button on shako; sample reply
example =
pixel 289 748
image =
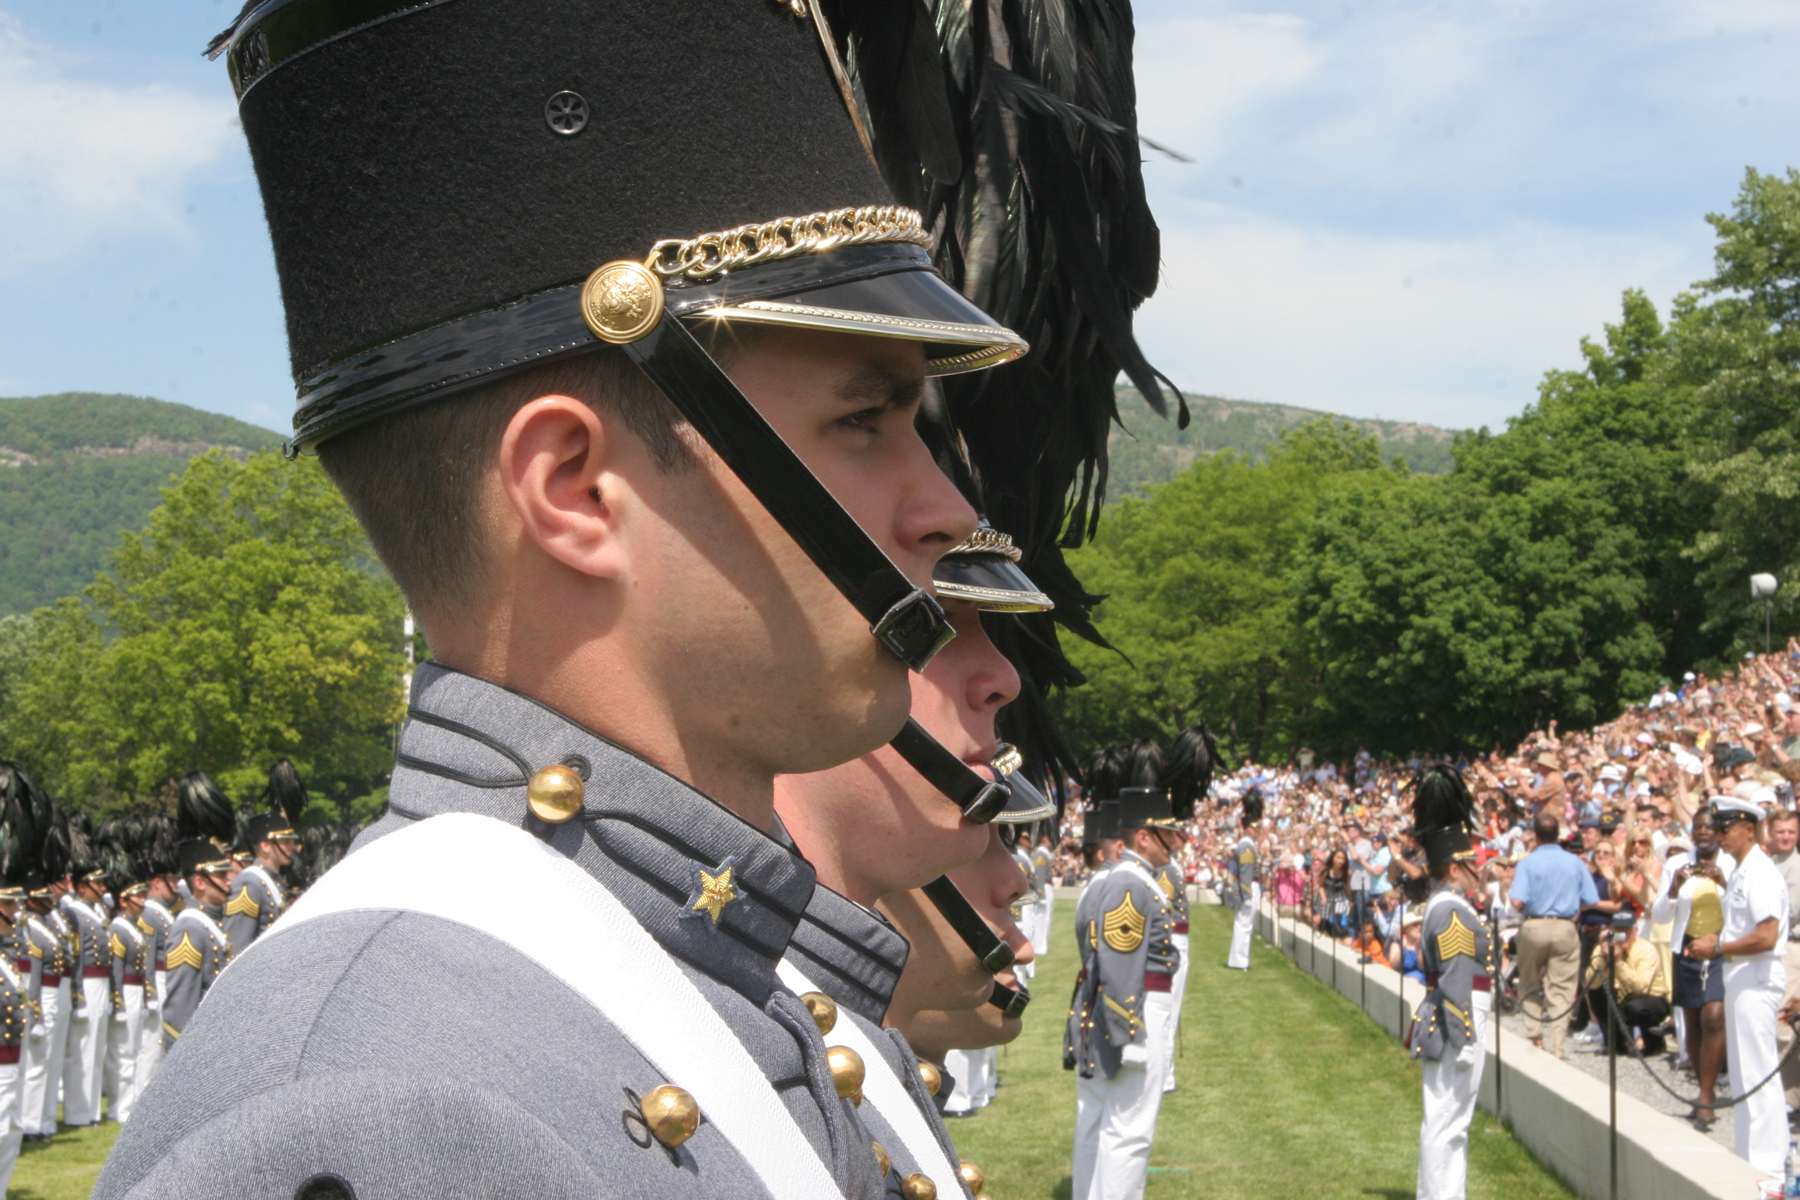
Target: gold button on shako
pixel 881 1158
pixel 932 1078
pixel 847 1070
pixel 823 1009
pixel 917 1187
pixel 555 794
pixel 971 1174
pixel 671 1114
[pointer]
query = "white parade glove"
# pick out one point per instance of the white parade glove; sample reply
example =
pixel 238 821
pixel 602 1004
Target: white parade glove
pixel 1135 1055
pixel 1468 1056
pixel 37 1030
pixel 119 1015
pixel 153 1004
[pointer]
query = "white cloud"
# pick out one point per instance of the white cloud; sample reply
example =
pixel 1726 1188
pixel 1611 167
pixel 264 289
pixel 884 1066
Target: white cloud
pixel 1452 331
pixel 81 159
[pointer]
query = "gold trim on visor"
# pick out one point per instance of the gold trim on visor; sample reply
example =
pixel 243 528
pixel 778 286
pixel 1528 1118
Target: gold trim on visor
pixel 987 540
pixel 993 599
pixel 785 237
pixel 997 345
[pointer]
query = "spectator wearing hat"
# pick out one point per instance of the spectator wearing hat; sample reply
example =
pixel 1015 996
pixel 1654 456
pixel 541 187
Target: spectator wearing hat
pixel 1752 944
pixel 1640 989
pixel 1550 887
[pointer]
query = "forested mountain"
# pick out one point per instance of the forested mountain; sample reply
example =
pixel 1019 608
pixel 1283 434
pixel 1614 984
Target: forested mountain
pixel 1150 450
pixel 76 469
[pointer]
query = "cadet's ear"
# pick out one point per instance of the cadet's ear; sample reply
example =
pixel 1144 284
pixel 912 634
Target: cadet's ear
pixel 558 466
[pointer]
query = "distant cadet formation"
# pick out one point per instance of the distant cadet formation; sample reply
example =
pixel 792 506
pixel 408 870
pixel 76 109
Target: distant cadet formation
pixel 111 936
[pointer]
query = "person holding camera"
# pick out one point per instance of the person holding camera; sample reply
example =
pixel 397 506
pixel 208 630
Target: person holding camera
pixel 1639 988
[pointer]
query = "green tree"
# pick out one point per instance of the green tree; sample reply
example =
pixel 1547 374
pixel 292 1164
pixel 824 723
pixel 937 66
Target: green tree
pixel 1197 598
pixel 1736 343
pixel 244 623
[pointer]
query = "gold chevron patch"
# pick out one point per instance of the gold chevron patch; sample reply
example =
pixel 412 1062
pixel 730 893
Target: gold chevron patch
pixel 118 947
pixel 1247 857
pixel 244 905
pixel 145 927
pixel 185 955
pixel 33 949
pixel 1455 940
pixel 1167 885
pixel 1123 927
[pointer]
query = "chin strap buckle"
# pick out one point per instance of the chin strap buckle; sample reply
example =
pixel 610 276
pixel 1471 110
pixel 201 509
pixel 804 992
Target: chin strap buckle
pixel 1010 1001
pixel 988 802
pixel 914 629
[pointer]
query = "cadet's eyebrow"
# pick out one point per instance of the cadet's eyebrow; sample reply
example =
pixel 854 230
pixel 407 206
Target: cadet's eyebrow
pixel 880 386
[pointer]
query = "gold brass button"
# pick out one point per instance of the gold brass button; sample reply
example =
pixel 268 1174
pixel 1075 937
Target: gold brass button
pixel 847 1070
pixel 932 1077
pixel 917 1187
pixel 971 1174
pixel 554 794
pixel 823 1009
pixel 881 1159
pixel 671 1114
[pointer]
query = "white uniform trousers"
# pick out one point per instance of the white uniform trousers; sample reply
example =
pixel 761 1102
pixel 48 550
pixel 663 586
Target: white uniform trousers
pixel 12 1096
pixel 85 1056
pixel 1242 926
pixel 44 1061
pixel 1450 1095
pixel 1040 933
pixel 961 1066
pixel 124 1034
pixel 1752 998
pixel 987 1075
pixel 1115 1119
pixel 149 1047
pixel 1177 989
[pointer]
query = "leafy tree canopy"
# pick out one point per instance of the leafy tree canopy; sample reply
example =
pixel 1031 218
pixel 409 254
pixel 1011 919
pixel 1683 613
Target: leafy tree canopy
pixel 246 622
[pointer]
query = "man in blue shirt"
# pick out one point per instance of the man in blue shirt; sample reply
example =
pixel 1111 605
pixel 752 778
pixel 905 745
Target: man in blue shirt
pixel 1550 887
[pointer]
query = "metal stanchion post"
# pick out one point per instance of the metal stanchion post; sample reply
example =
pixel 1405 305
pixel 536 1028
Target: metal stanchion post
pixel 1496 990
pixel 1612 1073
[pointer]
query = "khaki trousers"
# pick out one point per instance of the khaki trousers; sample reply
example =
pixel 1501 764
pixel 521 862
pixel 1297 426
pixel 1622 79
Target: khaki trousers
pixel 1549 965
pixel 1784 1033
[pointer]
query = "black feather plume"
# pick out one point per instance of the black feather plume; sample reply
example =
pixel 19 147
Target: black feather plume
pixel 202 811
pixel 1253 807
pixel 56 856
pixel 1441 800
pixel 156 847
pixel 286 793
pixel 1188 771
pixel 1143 764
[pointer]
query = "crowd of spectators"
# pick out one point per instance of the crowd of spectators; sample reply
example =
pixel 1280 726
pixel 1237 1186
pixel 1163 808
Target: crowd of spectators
pixel 1623 804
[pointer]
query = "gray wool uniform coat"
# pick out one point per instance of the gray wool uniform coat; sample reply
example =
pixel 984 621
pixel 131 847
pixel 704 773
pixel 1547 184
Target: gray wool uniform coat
pixel 408 1056
pixel 1126 934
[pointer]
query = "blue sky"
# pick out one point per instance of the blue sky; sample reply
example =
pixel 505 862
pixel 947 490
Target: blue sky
pixel 1404 210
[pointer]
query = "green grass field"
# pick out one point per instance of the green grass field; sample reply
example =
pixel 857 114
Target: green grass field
pixel 1287 1093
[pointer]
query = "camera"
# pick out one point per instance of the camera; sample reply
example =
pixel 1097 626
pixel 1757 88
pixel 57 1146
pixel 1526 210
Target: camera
pixel 1622 925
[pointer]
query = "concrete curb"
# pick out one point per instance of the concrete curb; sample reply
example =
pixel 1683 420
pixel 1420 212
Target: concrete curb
pixel 1559 1112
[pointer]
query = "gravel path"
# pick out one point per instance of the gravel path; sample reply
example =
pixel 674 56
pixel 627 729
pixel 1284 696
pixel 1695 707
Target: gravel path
pixel 1633 1080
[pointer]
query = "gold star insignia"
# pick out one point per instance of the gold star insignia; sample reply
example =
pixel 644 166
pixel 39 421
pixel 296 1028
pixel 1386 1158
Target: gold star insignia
pixel 713 890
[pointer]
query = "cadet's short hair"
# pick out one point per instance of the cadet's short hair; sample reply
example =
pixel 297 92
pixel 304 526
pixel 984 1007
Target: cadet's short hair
pixel 413 479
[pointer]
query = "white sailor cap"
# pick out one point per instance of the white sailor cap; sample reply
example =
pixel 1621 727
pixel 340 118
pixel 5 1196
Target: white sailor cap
pixel 1731 808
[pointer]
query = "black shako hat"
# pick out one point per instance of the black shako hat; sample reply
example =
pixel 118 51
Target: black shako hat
pixel 1443 815
pixel 458 190
pixel 202 854
pixel 1146 808
pixel 269 826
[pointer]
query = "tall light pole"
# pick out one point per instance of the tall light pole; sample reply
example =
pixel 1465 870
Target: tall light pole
pixel 1762 587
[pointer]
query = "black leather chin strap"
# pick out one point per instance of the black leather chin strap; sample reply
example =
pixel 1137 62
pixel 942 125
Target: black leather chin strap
pixel 904 618
pixel 1011 1001
pixel 993 954
pixel 980 799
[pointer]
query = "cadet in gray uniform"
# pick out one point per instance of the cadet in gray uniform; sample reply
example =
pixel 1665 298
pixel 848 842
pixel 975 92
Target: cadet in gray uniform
pixel 1449 1030
pixel 649 587
pixel 51 992
pixel 1125 1008
pixel 15 1016
pixel 198 947
pixel 256 897
pixel 1246 884
pixel 1043 862
pixel 85 1058
pixel 878 826
pixel 1173 883
pixel 133 976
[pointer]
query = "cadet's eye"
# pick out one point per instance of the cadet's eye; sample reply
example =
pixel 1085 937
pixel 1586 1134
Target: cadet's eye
pixel 866 420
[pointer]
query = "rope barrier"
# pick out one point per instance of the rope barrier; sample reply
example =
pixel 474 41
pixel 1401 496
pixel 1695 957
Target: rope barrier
pixel 1612 1005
